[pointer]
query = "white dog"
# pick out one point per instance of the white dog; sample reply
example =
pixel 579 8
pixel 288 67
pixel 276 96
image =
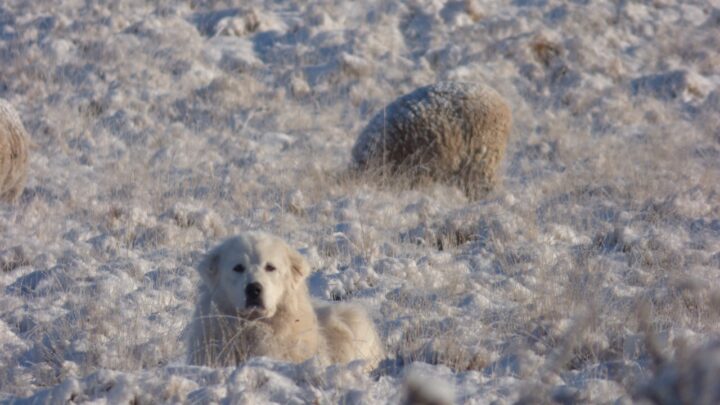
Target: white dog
pixel 254 302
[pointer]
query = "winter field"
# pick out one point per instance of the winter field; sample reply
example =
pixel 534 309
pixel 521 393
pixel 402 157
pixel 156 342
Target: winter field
pixel 591 274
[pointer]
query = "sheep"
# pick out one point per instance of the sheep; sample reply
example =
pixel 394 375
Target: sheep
pixel 13 153
pixel 452 132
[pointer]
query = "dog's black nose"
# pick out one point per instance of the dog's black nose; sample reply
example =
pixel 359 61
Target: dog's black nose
pixel 253 291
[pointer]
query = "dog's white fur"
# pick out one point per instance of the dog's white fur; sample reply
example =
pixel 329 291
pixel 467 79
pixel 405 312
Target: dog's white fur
pixel 225 331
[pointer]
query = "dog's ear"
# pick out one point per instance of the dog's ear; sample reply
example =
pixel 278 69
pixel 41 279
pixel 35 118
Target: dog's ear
pixel 298 265
pixel 209 266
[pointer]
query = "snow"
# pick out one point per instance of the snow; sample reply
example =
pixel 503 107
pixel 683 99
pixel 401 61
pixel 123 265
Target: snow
pixel 159 130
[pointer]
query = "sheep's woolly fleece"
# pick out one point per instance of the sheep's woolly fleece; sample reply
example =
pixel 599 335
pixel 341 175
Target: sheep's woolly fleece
pixel 158 130
pixel 13 153
pixel 451 131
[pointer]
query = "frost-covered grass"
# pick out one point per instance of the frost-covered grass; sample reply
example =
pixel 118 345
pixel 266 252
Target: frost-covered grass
pixel 158 130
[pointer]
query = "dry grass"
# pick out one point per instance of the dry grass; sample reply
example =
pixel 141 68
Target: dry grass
pixel 607 201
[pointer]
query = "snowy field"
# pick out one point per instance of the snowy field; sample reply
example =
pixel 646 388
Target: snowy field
pixel 591 274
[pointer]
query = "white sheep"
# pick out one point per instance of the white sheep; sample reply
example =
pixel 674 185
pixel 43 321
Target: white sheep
pixel 453 132
pixel 13 153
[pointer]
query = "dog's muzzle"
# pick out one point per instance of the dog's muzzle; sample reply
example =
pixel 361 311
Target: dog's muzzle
pixel 253 296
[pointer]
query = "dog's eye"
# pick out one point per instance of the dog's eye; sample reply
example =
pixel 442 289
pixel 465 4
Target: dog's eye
pixel 269 267
pixel 239 268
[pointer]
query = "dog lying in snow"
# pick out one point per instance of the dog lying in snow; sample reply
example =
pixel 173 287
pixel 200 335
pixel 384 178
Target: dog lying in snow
pixel 254 302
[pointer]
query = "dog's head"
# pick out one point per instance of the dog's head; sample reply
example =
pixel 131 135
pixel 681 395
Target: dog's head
pixel 249 274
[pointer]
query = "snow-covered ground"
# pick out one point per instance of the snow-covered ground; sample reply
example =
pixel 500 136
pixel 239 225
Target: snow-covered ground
pixel 160 127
